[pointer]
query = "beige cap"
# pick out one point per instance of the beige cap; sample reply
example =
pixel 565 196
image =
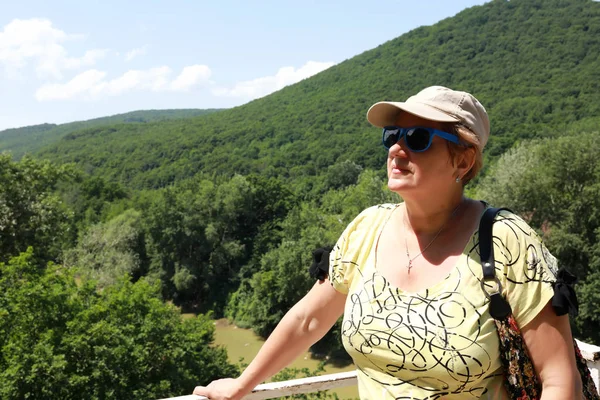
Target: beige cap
pixel 436 103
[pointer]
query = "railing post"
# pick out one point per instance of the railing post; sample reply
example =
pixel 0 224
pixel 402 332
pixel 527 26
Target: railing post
pixel 591 354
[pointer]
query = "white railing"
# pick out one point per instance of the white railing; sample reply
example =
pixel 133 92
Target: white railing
pixel 313 384
pixel 591 354
pixel 273 390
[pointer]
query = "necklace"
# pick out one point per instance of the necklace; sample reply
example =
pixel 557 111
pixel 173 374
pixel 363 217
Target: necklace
pixel 410 260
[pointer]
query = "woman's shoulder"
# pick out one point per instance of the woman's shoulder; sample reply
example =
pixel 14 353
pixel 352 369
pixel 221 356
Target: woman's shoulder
pixel 369 219
pixel 520 241
pixel 508 221
pixel 380 209
pixel 373 214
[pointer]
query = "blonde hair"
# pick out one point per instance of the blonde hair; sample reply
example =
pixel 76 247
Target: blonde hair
pixel 468 139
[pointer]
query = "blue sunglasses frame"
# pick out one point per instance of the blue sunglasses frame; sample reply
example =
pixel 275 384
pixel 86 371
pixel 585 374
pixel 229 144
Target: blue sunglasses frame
pixel 408 132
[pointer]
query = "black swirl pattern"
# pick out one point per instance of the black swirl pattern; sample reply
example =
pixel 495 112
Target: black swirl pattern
pixel 439 343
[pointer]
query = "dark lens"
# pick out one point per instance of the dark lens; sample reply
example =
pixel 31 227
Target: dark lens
pixel 390 137
pixel 418 139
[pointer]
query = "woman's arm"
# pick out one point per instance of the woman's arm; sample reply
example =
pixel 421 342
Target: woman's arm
pixel 308 321
pixel 550 344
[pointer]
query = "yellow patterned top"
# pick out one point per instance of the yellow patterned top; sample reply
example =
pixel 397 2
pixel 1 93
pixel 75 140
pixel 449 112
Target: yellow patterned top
pixel 438 343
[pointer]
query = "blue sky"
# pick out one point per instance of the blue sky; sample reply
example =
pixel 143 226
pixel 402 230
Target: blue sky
pixel 63 61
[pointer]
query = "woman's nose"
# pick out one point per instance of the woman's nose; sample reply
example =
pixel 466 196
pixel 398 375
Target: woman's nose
pixel 398 149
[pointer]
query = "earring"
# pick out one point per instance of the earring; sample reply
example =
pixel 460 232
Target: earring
pixel 457 179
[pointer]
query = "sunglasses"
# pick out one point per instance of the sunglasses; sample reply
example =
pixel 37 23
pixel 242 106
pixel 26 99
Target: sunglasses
pixel 417 138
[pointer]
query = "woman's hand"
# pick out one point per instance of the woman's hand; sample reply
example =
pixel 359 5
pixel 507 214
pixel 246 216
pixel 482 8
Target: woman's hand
pixel 308 321
pixel 222 389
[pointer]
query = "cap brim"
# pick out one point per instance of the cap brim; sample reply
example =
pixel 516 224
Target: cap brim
pixel 385 113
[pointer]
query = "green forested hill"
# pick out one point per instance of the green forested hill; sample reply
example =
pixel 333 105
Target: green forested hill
pixel 535 64
pixel 30 139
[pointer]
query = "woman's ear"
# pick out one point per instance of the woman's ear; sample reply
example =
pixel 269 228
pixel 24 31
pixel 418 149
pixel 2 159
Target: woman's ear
pixel 464 161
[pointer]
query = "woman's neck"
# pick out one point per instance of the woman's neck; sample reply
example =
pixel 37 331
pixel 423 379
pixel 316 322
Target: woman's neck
pixel 426 217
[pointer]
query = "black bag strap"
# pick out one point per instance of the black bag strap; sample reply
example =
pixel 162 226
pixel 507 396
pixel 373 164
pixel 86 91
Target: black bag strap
pixel 500 310
pixel 499 307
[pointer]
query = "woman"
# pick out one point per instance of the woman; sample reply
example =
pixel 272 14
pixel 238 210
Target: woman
pixel 407 277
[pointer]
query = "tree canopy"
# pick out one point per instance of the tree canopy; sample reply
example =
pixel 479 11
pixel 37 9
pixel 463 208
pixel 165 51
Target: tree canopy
pixel 60 339
pixel 30 139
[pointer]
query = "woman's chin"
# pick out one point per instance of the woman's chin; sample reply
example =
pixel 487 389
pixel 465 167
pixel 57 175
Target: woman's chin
pixel 398 184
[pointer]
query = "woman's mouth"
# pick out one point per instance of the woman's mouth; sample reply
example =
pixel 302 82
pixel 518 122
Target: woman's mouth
pixel 399 170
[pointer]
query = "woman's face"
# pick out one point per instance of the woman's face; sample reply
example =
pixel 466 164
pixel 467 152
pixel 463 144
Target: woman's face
pixel 425 172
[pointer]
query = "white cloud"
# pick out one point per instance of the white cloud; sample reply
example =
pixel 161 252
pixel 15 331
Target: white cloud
pixel 263 86
pixel 154 79
pixel 89 58
pixel 36 41
pixel 191 76
pixel 91 84
pixel 140 51
pixel 82 83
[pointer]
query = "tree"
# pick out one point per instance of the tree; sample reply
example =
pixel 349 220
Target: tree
pixel 206 234
pixel 64 339
pixel 555 185
pixel 283 279
pixel 107 251
pixel 30 213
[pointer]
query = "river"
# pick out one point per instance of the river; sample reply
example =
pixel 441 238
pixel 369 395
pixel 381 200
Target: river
pixel 243 343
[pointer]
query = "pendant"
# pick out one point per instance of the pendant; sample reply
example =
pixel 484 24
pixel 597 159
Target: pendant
pixel 409 266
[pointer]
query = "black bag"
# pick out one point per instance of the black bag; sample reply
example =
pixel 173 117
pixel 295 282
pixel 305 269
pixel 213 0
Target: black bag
pixel 520 379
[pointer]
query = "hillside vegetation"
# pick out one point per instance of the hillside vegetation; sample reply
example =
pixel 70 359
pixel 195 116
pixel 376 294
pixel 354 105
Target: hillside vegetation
pixel 532 63
pixel 30 139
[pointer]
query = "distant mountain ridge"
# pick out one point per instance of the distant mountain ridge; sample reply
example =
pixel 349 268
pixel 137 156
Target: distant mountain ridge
pixel 534 64
pixel 30 139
